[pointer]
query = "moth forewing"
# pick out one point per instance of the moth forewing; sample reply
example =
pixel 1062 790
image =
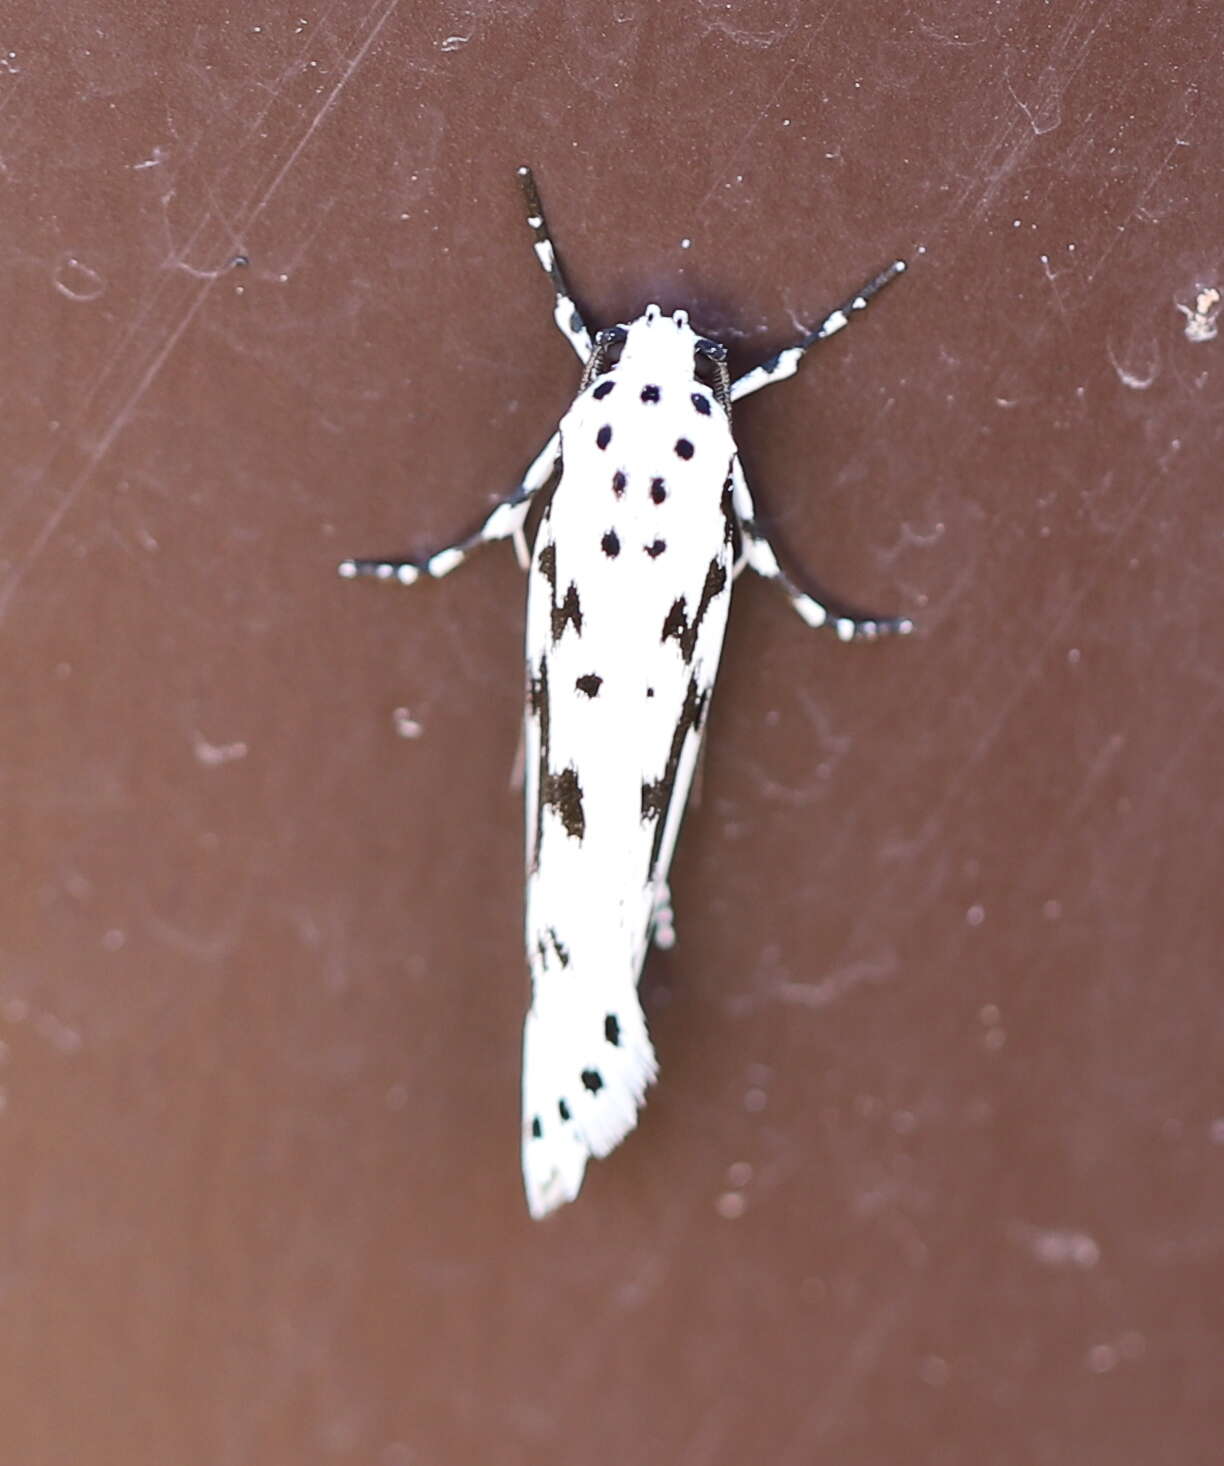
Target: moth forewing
pixel 627 599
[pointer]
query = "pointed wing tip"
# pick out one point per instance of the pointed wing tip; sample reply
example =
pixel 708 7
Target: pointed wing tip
pixel 553 1182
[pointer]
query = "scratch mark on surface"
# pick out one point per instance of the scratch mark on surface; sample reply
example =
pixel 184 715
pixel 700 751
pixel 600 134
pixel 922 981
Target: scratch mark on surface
pixel 1055 635
pixel 209 947
pixel 834 1394
pixel 75 280
pixel 838 983
pixel 745 137
pixel 1138 381
pixel 127 408
pixel 1053 279
pixel 157 157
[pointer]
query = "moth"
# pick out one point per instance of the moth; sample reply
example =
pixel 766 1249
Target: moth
pixel 629 582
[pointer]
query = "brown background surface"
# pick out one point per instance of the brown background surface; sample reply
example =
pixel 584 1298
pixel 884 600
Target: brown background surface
pixel 935 1171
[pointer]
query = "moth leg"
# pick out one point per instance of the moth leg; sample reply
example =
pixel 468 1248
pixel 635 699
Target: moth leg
pixel 759 554
pixel 504 522
pixel 663 919
pixel 566 314
pixel 786 363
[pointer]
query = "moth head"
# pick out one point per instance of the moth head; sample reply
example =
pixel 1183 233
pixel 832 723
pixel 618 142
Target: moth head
pixel 657 342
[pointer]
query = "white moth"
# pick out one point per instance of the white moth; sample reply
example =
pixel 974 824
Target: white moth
pixel 627 595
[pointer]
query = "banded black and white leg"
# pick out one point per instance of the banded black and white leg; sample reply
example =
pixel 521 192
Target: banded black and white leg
pixel 505 522
pixel 759 554
pixel 566 314
pixel 757 550
pixel 786 362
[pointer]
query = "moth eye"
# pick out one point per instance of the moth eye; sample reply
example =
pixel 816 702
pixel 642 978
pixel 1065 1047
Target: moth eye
pixel 608 343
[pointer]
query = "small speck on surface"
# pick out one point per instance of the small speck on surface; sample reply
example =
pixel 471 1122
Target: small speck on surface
pixel 731 1205
pixel 405 725
pixel 934 1371
pixel 976 915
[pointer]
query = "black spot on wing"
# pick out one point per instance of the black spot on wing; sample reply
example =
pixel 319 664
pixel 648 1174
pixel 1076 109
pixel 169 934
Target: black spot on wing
pixel 612 1030
pixel 590 683
pixel 536 1128
pixel 592 1080
pixel 656 548
pixel 618 483
pixel 650 394
pixel 604 436
pixel 563 793
pixel 563 1110
pixel 548 566
pixel 684 449
pixel 677 625
pixel 610 544
pixel 702 403
pixel 658 490
pixel 602 390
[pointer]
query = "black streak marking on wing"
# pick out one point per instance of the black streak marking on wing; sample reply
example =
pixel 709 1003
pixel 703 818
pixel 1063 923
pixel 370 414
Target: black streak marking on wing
pixel 563 793
pixel 568 611
pixel 677 624
pixel 537 696
pixel 657 795
pixel 559 947
pixel 731 524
